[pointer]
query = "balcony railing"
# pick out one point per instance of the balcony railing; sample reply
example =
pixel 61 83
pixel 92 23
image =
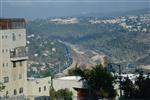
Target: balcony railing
pixel 18 54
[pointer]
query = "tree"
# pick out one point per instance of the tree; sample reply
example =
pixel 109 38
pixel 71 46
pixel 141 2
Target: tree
pixel 143 87
pixel 128 87
pixel 76 71
pixel 64 94
pixel 99 80
pixel 140 89
pixel 2 87
pixel 146 88
pixel 52 93
pixel 139 84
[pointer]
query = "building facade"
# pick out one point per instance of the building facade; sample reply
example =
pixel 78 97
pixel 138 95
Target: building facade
pixel 13 57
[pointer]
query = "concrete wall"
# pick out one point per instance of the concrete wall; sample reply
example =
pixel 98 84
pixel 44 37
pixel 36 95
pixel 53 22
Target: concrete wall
pixel 17 75
pixel 39 87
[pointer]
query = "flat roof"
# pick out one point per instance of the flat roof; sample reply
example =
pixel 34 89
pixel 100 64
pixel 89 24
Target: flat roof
pixel 13 19
pixel 12 23
pixel 70 78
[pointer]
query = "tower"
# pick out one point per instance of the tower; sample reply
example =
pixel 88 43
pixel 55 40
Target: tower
pixel 13 57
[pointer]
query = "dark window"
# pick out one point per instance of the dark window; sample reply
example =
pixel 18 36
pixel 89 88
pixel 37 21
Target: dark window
pixel 3 51
pixel 6 79
pixel 6 92
pixel 19 36
pixel 44 88
pixel 39 89
pixel 21 90
pixel 6 36
pixel 20 76
pixel 6 50
pixel 13 37
pixel 14 64
pixel 20 63
pixel 7 64
pixel 15 92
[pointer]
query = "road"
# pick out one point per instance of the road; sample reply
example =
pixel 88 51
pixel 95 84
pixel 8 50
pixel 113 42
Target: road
pixel 79 58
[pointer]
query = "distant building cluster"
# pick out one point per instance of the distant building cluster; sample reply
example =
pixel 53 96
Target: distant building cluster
pixel 130 23
pixel 64 21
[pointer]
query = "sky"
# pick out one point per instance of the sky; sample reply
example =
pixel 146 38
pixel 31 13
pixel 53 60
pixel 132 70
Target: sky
pixel 32 9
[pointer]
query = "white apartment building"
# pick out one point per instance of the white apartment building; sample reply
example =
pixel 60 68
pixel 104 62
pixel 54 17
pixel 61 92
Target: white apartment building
pixel 13 57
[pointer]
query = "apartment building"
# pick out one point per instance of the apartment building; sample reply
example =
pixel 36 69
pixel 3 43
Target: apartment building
pixel 13 57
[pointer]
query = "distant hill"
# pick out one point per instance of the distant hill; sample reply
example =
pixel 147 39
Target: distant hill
pixel 120 44
pixel 115 14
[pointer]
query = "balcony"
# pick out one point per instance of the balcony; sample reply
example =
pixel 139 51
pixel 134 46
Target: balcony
pixel 18 54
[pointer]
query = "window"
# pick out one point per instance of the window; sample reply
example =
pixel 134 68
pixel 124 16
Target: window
pixel 6 79
pixel 21 90
pixel 14 64
pixel 20 63
pixel 19 36
pixel 6 50
pixel 2 37
pixel 20 76
pixel 39 89
pixel 13 37
pixel 3 51
pixel 7 64
pixel 6 92
pixel 15 92
pixel 44 88
pixel 6 37
pixel 3 65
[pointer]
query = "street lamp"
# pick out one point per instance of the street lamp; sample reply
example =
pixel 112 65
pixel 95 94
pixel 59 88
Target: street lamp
pixel 119 66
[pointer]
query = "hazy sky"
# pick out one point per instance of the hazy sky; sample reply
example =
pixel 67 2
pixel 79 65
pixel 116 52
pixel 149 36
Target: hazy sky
pixel 31 9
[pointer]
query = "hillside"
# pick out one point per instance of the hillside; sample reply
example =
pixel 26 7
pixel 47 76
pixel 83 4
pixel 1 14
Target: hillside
pixel 122 39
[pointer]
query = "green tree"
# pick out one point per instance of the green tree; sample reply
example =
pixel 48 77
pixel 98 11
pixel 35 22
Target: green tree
pixel 146 88
pixel 2 87
pixel 140 89
pixel 76 71
pixel 128 87
pixel 64 94
pixel 140 84
pixel 52 93
pixel 143 88
pixel 100 82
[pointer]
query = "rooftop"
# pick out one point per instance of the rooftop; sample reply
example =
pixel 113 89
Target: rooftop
pixel 13 19
pixel 12 23
pixel 75 78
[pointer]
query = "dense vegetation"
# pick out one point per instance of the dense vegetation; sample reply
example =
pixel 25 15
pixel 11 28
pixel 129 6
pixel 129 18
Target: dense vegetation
pixel 62 94
pixel 139 89
pixel 113 40
pixel 98 80
pixel 101 84
pixel 47 56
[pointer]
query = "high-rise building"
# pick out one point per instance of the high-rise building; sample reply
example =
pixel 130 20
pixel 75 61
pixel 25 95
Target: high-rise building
pixel 13 57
